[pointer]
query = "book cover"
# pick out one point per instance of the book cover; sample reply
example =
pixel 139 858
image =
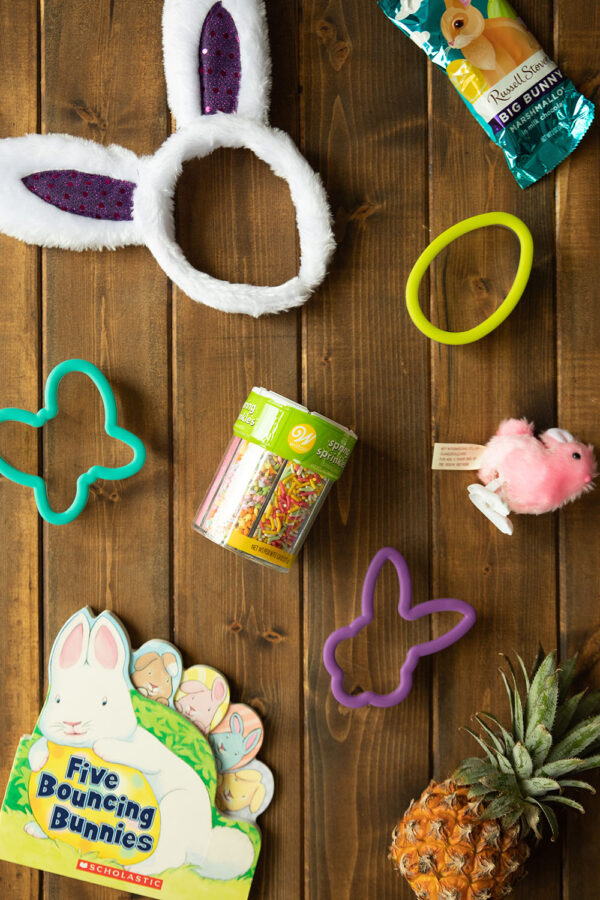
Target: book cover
pixel 117 789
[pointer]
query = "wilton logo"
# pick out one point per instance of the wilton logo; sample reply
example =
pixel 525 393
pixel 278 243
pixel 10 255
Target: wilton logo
pixel 302 438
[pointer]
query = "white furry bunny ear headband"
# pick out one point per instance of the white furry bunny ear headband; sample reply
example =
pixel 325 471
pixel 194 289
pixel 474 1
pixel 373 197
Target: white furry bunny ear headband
pixel 62 191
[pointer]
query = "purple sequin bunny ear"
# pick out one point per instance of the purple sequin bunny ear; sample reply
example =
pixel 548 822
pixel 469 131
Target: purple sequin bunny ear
pixel 220 63
pixel 62 191
pixel 216 59
pixel 409 613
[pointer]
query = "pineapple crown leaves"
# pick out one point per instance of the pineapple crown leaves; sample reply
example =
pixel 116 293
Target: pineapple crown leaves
pixel 553 735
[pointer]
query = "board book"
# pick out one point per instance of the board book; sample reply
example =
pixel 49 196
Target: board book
pixel 116 786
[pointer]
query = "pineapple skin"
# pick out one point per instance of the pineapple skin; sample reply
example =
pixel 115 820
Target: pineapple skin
pixel 446 851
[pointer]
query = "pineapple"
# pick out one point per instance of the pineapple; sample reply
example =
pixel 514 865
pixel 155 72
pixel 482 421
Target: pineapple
pixel 469 838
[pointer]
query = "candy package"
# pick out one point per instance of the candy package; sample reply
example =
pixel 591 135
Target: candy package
pixel 512 87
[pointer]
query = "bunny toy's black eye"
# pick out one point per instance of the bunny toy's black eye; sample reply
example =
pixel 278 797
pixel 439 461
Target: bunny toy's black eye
pixel 459 23
pixel 577 456
pixel 104 701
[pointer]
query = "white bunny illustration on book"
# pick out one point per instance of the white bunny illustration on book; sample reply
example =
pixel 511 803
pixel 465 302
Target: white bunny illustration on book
pixel 89 705
pixel 64 191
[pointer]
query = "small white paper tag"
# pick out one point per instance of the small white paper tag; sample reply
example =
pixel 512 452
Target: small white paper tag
pixel 457 457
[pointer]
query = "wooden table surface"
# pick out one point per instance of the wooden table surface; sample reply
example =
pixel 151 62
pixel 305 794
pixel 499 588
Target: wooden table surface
pixel 401 159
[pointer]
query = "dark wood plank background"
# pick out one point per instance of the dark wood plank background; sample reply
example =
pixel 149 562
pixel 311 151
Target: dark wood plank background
pixel 401 160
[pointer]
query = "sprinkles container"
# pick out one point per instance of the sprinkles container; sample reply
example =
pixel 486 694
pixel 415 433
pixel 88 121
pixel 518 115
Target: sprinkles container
pixel 273 479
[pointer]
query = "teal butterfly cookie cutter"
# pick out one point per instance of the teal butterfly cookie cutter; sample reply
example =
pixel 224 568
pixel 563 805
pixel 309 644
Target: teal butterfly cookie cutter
pixel 46 414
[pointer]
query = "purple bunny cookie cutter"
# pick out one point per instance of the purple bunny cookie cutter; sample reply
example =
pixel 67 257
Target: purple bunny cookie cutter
pixel 409 613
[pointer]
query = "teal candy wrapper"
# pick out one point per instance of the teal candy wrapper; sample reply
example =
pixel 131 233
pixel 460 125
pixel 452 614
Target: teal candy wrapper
pixel 512 87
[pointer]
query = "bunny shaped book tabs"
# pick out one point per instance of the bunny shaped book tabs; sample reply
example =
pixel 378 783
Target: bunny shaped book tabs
pixel 64 191
pixel 118 789
pixel 245 786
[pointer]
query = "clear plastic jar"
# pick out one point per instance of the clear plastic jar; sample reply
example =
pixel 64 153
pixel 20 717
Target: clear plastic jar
pixel 273 479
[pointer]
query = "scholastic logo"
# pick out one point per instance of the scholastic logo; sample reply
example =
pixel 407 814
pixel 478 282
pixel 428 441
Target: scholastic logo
pixel 119 874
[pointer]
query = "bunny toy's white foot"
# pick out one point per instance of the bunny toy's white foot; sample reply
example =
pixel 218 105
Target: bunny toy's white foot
pixel 34 830
pixel 492 507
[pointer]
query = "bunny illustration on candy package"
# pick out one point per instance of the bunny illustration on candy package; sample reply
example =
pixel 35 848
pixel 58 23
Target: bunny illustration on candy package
pixel 127 782
pixel 494 46
pixel 517 93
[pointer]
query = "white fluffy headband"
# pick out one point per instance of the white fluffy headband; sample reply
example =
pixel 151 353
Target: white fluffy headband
pixel 63 191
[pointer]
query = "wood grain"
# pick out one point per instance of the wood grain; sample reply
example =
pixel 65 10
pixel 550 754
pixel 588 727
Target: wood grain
pixel 578 341
pixel 510 581
pixel 101 80
pixel 19 345
pixel 402 160
pixel 236 221
pixel 364 368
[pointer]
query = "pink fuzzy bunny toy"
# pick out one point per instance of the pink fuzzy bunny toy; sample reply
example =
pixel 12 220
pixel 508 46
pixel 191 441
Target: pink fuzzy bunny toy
pixel 525 474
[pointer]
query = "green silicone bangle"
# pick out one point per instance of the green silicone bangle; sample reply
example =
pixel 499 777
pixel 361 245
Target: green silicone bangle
pixel 508 304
